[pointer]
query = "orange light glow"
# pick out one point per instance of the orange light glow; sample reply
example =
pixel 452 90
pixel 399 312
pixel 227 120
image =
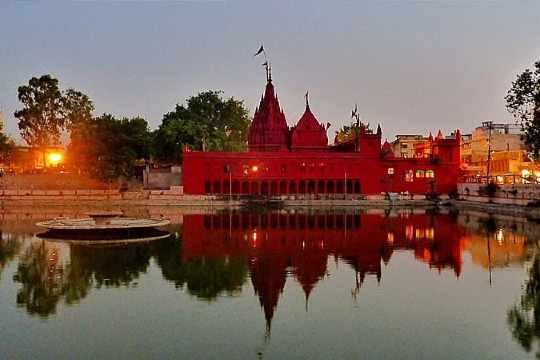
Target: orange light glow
pixel 54 158
pixel 254 168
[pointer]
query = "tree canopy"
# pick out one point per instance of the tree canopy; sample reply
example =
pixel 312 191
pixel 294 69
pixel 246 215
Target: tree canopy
pixel 206 122
pixel 523 102
pixel 110 147
pixel 41 119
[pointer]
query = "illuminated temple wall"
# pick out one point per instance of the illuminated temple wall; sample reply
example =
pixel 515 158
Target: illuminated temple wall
pixel 283 161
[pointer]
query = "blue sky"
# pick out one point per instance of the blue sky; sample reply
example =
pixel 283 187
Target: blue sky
pixel 413 66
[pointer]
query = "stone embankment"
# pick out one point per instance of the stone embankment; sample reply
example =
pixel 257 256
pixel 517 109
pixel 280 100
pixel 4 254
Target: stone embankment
pixel 175 197
pixel 511 199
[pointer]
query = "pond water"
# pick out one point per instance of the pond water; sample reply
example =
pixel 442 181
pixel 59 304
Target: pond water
pixel 302 284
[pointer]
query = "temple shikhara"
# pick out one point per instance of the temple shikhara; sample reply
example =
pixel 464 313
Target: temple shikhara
pixel 298 160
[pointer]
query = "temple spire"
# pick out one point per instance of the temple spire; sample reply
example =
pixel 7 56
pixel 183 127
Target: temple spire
pixel 307 99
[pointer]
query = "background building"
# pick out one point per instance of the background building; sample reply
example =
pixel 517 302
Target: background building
pixel 509 155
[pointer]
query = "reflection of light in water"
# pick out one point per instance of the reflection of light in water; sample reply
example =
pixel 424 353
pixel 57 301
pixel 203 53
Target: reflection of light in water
pixel 254 238
pixel 409 232
pixel 500 236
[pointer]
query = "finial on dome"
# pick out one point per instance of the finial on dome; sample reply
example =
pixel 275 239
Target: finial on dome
pixel 307 99
pixel 379 130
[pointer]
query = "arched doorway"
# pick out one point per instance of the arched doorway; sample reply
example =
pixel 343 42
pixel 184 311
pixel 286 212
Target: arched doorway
pixel 311 187
pixel 302 187
pixel 273 188
pixel 245 187
pixel 320 187
pixel 292 187
pixel 235 187
pixel 217 187
pixel 264 188
pixel 330 189
pixel 283 187
pixel 357 189
pixel 254 188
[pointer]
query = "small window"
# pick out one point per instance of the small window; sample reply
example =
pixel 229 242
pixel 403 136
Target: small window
pixel 283 169
pixel 391 171
pixel 227 169
pixel 430 173
pixel 245 169
pixel 420 173
pixel 409 176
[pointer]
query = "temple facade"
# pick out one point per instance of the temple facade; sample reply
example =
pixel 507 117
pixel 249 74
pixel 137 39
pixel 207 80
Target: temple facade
pixel 298 160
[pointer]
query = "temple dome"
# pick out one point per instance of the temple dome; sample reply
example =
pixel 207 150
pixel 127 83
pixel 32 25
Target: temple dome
pixel 268 130
pixel 308 134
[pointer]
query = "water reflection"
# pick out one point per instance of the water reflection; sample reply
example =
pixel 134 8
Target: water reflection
pixel 9 247
pixel 204 277
pixel 524 316
pixel 46 278
pixel 223 254
pixel 278 243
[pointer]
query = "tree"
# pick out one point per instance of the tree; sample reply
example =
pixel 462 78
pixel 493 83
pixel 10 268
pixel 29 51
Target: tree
pixel 41 119
pixel 207 122
pixel 112 146
pixel 523 102
pixel 77 110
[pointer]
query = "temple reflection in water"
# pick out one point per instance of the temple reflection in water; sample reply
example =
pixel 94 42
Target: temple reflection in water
pixel 280 243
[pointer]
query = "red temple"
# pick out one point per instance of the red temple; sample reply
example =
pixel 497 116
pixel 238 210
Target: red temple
pixel 297 160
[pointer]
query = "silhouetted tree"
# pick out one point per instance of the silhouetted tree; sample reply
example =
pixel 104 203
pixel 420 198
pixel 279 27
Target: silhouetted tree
pixel 523 101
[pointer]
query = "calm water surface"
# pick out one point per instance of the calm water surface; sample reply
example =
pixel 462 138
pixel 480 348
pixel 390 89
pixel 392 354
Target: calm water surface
pixel 277 285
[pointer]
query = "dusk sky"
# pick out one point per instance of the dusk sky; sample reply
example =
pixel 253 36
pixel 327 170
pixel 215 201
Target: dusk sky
pixel 413 66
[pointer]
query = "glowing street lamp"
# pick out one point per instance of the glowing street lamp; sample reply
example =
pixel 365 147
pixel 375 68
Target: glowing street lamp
pixel 54 158
pixel 254 168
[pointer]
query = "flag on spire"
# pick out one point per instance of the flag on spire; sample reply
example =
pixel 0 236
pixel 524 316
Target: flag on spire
pixel 261 50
